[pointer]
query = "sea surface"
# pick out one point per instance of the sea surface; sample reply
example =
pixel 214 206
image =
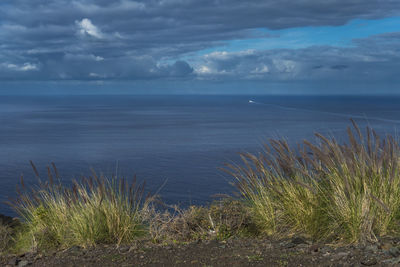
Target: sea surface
pixel 177 144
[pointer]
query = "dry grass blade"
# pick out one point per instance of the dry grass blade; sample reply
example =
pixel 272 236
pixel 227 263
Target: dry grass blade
pixel 34 169
pixel 50 176
pixel 55 170
pixel 357 129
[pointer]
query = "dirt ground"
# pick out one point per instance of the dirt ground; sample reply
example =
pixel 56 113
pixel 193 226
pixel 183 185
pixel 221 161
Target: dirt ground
pixel 233 252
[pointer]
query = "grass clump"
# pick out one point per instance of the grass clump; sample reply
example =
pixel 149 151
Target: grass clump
pixel 9 227
pixel 348 192
pixel 5 238
pixel 95 210
pixel 220 220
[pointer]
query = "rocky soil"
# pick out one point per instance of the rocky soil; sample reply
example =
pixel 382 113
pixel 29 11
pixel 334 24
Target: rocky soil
pixel 297 251
pixel 232 252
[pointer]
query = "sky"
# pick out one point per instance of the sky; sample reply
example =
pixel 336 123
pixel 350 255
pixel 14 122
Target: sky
pixel 200 47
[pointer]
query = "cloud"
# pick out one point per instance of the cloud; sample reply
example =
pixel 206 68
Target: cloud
pixel 24 67
pixel 86 28
pixel 180 68
pixel 114 7
pixel 370 59
pixel 82 57
pixel 132 40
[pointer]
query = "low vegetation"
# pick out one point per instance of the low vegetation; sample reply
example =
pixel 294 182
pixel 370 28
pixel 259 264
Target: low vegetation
pixel 96 210
pixel 328 191
pixel 222 219
pixel 5 238
pixel 325 190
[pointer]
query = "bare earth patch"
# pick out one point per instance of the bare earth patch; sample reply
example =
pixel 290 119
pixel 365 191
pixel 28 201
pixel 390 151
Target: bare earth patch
pixel 232 252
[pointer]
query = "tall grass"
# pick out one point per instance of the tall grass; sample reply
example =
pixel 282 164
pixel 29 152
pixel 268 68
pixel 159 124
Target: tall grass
pixel 5 238
pixel 348 192
pixel 95 210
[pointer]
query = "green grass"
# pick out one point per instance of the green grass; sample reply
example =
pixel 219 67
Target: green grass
pixel 324 190
pixel 329 191
pixel 96 210
pixel 5 238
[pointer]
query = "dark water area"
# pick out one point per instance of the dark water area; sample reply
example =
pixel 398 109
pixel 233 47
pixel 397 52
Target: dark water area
pixel 182 140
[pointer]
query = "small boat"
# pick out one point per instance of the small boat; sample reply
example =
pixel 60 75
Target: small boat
pixel 251 101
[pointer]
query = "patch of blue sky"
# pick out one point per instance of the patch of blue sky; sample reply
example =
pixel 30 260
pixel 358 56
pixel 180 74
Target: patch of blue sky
pixel 302 37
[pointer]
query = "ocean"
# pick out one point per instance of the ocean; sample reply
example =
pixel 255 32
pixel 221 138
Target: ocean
pixel 177 144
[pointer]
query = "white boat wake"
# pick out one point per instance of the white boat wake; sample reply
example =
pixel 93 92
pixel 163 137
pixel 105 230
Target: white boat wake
pixel 349 116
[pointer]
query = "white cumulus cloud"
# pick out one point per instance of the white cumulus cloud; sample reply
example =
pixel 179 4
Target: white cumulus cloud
pixel 203 70
pixel 260 69
pixel 86 27
pixel 25 67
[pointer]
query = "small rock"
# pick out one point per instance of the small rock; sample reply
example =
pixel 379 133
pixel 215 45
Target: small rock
pixel 303 246
pixel 268 246
pixel 392 261
pixel 314 248
pixel 13 261
pixel 385 245
pixel 340 255
pixel 324 249
pixel 289 245
pixel 74 249
pixel 30 255
pixel 124 249
pixel 213 242
pixel 369 261
pixel 372 248
pixel 394 251
pixel 299 240
pixel 23 263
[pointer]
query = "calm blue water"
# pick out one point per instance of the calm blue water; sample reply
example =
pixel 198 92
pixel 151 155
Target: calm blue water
pixel 179 139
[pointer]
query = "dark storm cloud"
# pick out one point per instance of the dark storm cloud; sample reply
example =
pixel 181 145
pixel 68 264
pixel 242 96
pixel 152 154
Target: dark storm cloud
pixel 102 39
